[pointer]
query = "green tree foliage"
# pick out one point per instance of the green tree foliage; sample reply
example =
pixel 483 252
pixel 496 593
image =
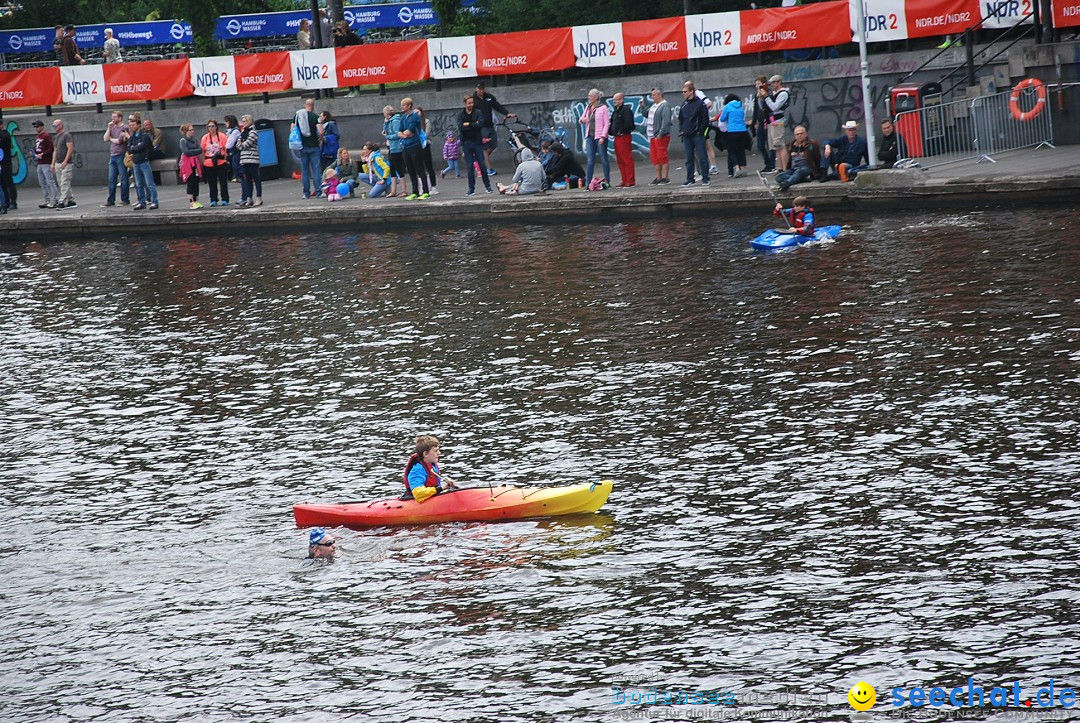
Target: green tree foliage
pixel 47 13
pixel 447 10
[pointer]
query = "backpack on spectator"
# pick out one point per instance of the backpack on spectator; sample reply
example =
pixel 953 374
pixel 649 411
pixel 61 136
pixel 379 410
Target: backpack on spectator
pixel 330 145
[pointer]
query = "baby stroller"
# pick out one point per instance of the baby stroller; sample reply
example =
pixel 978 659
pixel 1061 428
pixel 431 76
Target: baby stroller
pixel 521 135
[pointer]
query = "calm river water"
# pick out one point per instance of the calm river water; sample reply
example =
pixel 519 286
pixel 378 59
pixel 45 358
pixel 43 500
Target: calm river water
pixel 851 461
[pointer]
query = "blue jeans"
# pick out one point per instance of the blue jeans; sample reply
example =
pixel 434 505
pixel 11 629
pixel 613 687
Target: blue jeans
pixel 474 153
pixel 692 144
pixel 309 171
pixel 594 147
pixel 829 168
pixel 144 183
pixel 118 172
pixel 795 175
pixel 768 155
pixel 47 180
pixel 853 171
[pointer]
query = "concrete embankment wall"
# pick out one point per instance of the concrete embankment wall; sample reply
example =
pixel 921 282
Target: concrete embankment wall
pixel 825 94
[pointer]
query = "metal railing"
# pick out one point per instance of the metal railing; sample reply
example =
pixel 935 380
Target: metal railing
pixel 976 128
pixel 997 130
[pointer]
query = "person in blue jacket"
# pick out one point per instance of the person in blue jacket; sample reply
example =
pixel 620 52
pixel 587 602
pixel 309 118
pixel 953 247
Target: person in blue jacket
pixel 411 127
pixel 733 118
pixel 422 470
pixel 391 129
pixel 845 156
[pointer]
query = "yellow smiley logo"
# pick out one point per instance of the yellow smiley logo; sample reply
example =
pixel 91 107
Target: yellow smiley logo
pixel 862 696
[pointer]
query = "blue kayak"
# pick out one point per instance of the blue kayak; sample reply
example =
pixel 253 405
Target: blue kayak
pixel 773 239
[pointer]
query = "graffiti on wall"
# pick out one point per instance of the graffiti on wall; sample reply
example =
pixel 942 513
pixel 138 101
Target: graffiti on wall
pixel 18 163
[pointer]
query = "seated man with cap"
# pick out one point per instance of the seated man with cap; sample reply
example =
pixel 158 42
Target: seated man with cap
pixel 846 155
pixel 321 544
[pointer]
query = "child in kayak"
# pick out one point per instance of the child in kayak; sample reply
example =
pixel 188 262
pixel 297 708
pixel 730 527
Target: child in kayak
pixel 422 476
pixel 800 217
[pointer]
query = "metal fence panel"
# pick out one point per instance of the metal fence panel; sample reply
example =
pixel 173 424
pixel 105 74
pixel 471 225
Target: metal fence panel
pixel 941 133
pixel 938 133
pixel 998 129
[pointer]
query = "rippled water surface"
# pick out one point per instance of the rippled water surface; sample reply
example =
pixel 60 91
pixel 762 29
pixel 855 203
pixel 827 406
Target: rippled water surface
pixel 848 461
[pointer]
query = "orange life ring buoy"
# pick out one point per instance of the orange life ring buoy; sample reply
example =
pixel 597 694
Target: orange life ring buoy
pixel 1040 99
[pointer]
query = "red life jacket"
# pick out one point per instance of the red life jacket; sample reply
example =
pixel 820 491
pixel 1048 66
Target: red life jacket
pixel 432 476
pixel 802 221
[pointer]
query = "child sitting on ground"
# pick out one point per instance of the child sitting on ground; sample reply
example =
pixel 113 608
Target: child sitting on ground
pixel 451 152
pixel 330 183
pixel 547 156
pixel 800 217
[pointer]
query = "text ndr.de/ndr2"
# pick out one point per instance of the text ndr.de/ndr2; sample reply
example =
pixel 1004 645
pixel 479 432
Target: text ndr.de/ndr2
pixel 946 19
pixel 772 36
pixel 371 72
pixel 653 48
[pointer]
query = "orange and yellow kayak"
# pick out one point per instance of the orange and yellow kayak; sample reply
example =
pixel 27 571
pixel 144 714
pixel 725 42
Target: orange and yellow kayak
pixel 476 504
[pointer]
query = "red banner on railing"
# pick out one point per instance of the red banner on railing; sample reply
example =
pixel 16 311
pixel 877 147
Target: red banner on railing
pixel 1066 13
pixel 531 51
pixel 940 17
pixel 263 72
pixel 34 86
pixel 154 80
pixel 803 26
pixel 612 44
pixel 653 41
pixel 372 64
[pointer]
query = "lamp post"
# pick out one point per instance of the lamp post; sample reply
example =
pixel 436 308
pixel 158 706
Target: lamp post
pixel 868 102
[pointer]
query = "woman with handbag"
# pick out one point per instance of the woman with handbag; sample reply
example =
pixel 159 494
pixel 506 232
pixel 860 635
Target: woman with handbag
pixel 215 164
pixel 190 165
pixel 596 121
pixel 232 133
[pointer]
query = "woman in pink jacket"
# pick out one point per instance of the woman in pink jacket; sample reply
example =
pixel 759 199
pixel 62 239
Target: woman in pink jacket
pixel 595 121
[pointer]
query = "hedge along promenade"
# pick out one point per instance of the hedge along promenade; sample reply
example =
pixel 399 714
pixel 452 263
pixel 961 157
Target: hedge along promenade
pixel 532 51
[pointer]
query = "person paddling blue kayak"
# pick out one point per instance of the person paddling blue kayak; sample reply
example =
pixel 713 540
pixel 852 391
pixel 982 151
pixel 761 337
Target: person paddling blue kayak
pixel 800 217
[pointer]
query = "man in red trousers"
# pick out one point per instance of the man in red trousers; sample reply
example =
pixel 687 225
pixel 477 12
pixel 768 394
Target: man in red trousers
pixel 622 127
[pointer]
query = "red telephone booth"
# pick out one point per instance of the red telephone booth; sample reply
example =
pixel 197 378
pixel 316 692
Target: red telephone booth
pixel 910 126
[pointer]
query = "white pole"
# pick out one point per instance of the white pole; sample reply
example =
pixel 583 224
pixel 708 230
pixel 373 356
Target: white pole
pixel 868 106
